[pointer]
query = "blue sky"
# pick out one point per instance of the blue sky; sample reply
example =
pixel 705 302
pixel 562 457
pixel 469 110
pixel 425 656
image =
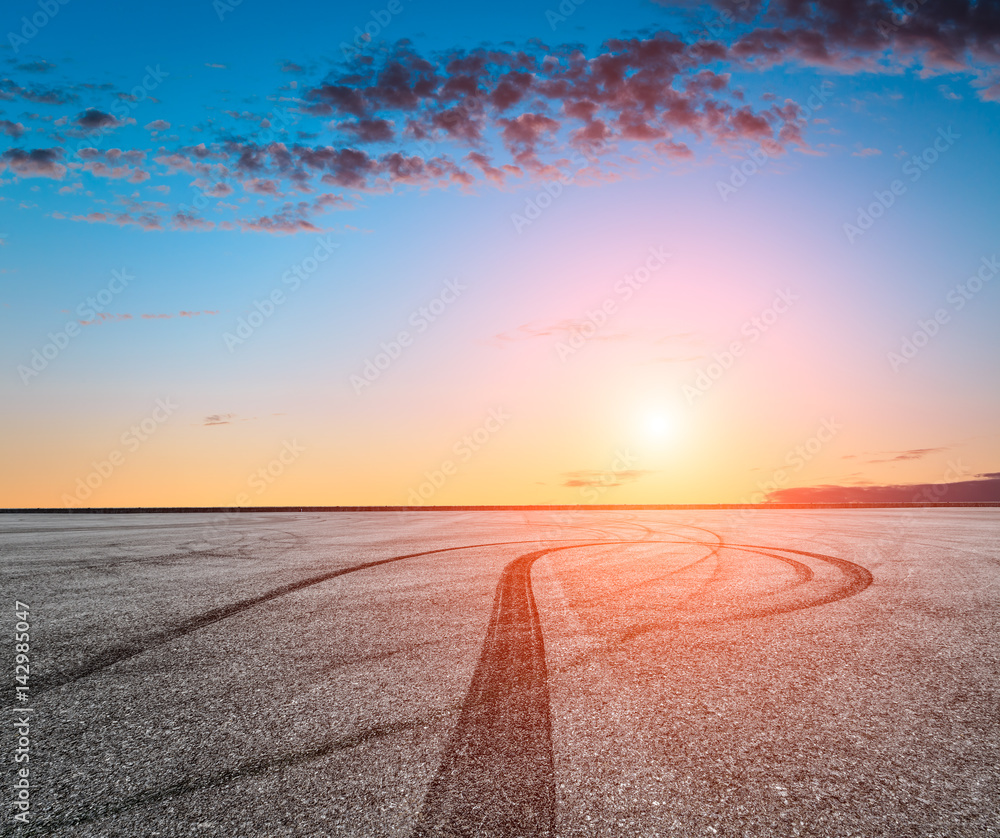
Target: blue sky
pixel 207 150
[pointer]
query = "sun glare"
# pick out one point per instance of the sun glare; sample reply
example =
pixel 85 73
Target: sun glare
pixel 658 426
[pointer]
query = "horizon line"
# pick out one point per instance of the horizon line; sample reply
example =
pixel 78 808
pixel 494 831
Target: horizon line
pixel 498 507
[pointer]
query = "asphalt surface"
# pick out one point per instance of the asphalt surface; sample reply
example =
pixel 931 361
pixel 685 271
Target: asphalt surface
pixel 502 674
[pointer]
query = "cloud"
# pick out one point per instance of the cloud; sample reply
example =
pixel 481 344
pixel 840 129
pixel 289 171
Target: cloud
pixel 262 186
pixel 402 119
pixel 11 129
pixel 10 89
pixel 39 66
pixel 146 221
pixel 189 221
pixel 95 120
pixel 609 479
pixel 627 92
pixel 219 419
pixel 910 454
pixel 114 163
pixel 290 219
pixel 538 105
pixel 105 317
pixel 945 35
pixel 39 162
pixel 368 130
pixel 983 489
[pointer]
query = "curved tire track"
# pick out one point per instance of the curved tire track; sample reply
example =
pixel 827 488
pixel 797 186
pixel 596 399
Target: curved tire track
pixel 496 779
pixel 130 649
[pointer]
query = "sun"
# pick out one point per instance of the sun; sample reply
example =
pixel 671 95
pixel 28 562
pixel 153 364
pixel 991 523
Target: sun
pixel 658 426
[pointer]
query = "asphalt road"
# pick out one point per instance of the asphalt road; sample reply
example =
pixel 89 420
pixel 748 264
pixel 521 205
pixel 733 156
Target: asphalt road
pixel 504 674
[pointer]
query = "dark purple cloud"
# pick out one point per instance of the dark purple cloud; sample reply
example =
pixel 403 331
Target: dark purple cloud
pixel 985 488
pixel 11 129
pixel 947 34
pixel 39 66
pixel 95 120
pixel 400 118
pixel 38 162
pixel 9 89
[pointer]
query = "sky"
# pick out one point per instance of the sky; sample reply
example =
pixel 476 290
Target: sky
pixel 416 253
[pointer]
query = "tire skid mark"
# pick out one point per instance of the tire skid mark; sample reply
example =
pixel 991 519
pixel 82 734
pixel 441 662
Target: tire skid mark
pixel 858 578
pixel 126 651
pixel 803 573
pixel 855 579
pixel 497 777
pixel 713 552
pixel 246 770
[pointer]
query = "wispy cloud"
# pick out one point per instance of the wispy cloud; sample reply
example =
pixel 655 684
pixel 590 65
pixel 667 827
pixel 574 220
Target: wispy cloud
pixel 609 479
pixel 106 317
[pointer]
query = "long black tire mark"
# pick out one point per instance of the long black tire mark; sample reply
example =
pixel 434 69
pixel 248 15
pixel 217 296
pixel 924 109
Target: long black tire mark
pixel 713 552
pixel 131 649
pixel 497 778
pixel 858 577
pixel 856 580
pixel 245 770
